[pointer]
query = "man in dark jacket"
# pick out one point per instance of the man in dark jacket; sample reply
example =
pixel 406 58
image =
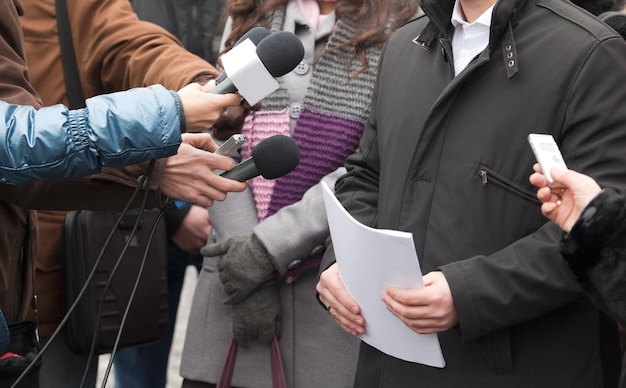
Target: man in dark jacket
pixel 445 157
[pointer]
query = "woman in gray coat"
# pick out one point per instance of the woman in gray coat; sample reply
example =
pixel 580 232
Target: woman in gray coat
pixel 259 280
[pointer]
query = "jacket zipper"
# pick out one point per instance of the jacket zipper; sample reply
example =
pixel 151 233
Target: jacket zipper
pixel 448 57
pixel 489 176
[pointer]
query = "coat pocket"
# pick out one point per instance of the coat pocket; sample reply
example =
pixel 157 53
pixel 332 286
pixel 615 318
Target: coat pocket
pixel 490 176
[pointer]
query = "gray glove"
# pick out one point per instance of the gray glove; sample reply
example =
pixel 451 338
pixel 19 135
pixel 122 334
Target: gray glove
pixel 244 265
pixel 257 317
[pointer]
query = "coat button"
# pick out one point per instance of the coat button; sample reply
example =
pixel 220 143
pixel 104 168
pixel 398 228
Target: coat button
pixel 318 250
pixel 294 264
pixel 294 110
pixel 302 68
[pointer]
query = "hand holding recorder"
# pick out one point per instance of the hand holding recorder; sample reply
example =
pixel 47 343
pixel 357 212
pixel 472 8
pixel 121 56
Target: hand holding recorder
pixel 564 193
pixel 563 205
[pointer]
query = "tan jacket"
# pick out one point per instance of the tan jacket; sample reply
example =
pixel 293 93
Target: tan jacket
pixel 114 51
pixel 18 230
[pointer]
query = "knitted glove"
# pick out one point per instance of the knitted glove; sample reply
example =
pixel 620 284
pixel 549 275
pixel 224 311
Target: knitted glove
pixel 244 265
pixel 257 317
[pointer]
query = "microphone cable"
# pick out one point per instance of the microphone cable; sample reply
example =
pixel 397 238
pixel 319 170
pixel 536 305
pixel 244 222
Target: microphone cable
pixel 129 239
pixel 91 274
pixel 132 295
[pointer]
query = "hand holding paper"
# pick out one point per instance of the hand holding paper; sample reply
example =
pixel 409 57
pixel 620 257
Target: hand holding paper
pixel 369 262
pixel 425 310
pixel 339 303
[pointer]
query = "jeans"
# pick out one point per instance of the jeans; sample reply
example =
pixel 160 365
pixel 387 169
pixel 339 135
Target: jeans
pixel 146 365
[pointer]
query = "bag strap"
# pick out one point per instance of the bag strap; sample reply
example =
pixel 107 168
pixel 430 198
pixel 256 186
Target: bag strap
pixel 278 372
pixel 74 89
pixel 226 374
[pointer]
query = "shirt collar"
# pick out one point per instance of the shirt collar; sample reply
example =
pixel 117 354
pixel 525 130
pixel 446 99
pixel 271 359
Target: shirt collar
pixel 458 19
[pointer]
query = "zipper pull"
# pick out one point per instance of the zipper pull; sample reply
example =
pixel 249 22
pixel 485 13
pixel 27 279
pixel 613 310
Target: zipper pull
pixel 483 174
pixel 34 306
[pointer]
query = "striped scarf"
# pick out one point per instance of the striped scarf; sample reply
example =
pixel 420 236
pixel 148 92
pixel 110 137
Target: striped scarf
pixel 330 124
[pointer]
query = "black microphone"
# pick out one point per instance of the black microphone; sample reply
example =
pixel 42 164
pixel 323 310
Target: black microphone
pixel 279 53
pixel 256 35
pixel 274 157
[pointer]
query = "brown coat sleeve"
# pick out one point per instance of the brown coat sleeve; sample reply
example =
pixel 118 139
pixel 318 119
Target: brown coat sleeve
pixel 114 49
pixel 15 86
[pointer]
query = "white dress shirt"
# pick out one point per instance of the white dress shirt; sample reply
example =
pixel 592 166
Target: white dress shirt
pixel 469 38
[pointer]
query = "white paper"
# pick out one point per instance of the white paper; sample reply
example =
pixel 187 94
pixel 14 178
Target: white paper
pixel 370 260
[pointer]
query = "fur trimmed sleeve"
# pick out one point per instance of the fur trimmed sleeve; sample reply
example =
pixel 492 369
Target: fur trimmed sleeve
pixel 595 250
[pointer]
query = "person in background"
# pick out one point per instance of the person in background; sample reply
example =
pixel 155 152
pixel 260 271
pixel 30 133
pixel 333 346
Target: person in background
pixel 196 23
pixel 612 12
pixel 114 51
pixel 594 221
pixel 615 19
pixel 444 156
pixel 612 341
pixel 276 230
pixel 103 191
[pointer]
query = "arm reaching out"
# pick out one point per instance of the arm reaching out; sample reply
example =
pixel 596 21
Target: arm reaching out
pixel 563 205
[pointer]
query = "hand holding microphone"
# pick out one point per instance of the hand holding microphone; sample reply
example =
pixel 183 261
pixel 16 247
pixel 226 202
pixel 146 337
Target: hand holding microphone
pixel 231 122
pixel 272 158
pixel 256 35
pixel 251 70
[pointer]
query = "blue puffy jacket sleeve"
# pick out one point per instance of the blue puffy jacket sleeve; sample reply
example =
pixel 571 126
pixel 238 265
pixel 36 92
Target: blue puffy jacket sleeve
pixel 115 129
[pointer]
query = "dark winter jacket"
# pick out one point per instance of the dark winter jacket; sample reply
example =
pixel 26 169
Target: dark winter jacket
pixel 195 22
pixel 595 250
pixel 446 158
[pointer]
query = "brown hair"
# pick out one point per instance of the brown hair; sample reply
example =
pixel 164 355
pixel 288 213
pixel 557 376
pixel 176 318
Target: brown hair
pixel 374 18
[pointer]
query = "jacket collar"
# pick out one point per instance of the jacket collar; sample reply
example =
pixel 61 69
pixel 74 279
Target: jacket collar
pixel 506 13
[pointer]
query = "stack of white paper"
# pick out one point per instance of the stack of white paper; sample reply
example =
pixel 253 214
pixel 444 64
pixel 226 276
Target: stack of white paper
pixel 370 260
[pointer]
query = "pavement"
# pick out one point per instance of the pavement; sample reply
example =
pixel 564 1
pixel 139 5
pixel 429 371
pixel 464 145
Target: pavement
pixel 173 378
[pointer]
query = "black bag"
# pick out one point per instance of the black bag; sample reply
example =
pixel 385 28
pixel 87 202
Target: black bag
pixel 84 235
pixel 25 347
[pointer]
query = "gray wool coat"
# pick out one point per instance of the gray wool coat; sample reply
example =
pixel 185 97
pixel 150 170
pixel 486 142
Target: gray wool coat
pixel 316 352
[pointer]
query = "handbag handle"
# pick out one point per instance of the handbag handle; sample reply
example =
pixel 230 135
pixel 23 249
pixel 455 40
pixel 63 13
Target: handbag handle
pixel 278 372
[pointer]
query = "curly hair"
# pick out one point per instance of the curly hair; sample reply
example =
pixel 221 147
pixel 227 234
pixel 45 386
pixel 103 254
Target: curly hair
pixel 376 19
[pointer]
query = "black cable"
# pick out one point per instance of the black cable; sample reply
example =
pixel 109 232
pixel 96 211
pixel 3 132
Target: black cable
pixel 132 295
pixel 129 239
pixel 83 290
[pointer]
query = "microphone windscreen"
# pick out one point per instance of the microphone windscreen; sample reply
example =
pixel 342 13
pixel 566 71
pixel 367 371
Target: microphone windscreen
pixel 276 156
pixel 280 52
